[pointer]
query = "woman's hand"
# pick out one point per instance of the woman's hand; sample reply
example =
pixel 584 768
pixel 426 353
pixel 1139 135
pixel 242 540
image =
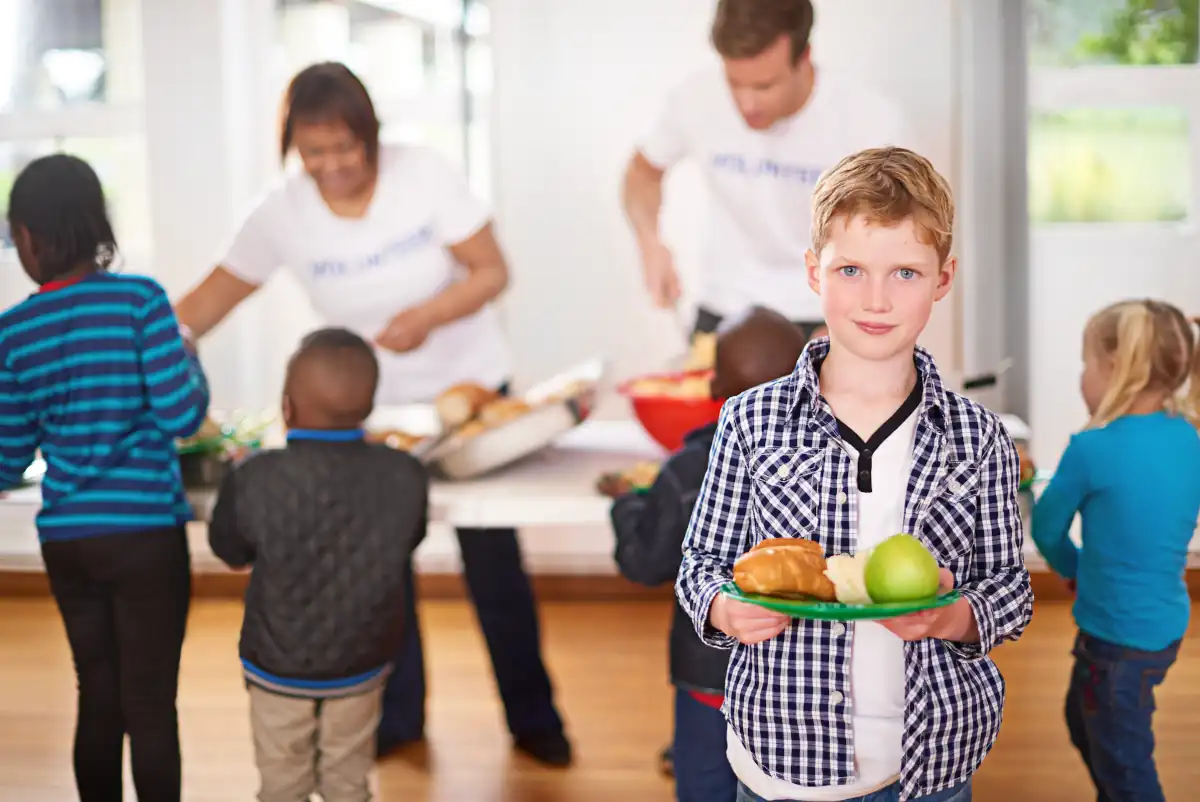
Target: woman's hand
pixel 407 331
pixel 953 623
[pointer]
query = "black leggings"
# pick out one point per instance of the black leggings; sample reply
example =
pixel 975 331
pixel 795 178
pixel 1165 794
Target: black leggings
pixel 124 601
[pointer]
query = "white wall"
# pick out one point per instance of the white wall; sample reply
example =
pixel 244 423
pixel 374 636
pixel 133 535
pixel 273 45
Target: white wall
pixel 575 85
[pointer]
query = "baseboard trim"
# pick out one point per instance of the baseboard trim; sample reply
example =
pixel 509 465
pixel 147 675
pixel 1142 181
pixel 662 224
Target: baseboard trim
pixel 547 587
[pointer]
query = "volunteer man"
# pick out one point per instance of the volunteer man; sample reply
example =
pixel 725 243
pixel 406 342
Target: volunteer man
pixel 762 130
pixel 390 242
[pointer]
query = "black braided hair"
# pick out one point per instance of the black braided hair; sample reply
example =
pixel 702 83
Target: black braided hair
pixel 58 199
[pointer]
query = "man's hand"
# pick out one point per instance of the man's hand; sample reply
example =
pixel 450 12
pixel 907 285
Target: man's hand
pixel 407 331
pixel 748 623
pixel 953 623
pixel 658 270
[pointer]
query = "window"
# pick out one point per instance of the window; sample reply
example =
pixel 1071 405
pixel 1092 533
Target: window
pixel 70 80
pixel 1114 94
pixel 1097 165
pixel 427 64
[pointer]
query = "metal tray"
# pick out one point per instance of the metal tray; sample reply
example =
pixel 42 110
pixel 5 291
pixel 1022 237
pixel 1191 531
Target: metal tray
pixel 559 405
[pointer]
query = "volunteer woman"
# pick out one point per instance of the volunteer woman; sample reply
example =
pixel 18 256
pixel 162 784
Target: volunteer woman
pixel 389 241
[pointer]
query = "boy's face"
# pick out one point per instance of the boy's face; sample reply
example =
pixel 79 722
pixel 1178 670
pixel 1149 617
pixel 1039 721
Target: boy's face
pixel 878 285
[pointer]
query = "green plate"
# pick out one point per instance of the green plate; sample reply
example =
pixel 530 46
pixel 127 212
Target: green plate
pixel 836 611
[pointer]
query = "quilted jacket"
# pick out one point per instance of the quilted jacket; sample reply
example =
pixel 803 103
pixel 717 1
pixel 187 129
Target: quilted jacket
pixel 329 529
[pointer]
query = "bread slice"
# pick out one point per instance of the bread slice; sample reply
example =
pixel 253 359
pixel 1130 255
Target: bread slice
pixel 784 567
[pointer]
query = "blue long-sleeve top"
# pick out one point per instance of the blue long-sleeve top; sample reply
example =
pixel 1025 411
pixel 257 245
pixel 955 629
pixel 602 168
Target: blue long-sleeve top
pixel 1136 485
pixel 95 375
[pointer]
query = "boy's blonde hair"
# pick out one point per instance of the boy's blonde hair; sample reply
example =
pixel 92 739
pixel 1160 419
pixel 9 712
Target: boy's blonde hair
pixel 887 186
pixel 1153 348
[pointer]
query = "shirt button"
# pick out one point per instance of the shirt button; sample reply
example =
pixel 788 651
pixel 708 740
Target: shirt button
pixel 842 497
pixel 839 629
pixel 864 475
pixel 783 471
pixel 836 697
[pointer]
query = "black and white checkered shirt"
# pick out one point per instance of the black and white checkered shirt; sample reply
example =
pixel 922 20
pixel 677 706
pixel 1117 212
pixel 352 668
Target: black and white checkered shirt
pixel 777 469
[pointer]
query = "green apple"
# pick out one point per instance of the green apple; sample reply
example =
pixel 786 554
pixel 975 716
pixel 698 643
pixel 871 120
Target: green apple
pixel 901 569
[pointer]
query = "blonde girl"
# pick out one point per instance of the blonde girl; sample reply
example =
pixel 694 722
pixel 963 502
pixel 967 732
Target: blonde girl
pixel 1133 477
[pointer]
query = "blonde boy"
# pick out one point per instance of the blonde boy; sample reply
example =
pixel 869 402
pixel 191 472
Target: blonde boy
pixel 860 442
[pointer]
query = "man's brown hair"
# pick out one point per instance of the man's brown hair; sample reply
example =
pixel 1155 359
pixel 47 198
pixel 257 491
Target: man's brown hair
pixel 745 28
pixel 888 186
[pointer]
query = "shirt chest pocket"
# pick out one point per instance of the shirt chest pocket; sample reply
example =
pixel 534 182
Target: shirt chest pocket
pixel 786 493
pixel 948 524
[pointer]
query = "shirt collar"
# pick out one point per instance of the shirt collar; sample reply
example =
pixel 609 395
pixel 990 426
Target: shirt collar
pixel 60 284
pixel 326 435
pixel 807 387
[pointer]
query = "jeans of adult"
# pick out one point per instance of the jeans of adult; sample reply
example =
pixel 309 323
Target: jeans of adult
pixel 702 773
pixel 124 602
pixel 1110 709
pixel 959 793
pixel 503 598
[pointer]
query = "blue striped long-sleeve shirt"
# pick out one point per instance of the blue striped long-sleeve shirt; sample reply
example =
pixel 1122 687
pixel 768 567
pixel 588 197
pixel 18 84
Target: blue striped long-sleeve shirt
pixel 95 375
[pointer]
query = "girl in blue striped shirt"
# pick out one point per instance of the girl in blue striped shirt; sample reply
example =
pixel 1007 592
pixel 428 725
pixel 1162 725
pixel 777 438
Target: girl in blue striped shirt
pixel 1133 477
pixel 94 374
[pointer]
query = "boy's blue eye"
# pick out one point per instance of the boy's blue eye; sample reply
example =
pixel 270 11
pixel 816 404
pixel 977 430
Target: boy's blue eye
pixel 849 271
pixel 906 274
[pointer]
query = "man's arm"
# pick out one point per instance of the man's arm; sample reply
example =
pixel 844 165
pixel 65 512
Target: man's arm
pixel 997 589
pixel 642 198
pixel 718 530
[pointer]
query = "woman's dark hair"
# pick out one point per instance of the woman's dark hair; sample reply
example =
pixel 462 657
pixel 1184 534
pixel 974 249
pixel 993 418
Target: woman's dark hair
pixel 58 199
pixel 329 92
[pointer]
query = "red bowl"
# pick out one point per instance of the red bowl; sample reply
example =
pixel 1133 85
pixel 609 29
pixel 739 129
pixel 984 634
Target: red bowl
pixel 668 419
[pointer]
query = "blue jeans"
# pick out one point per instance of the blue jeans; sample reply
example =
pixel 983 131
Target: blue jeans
pixel 959 793
pixel 1110 704
pixel 702 772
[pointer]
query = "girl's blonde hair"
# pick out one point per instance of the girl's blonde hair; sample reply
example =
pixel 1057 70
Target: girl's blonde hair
pixel 1153 348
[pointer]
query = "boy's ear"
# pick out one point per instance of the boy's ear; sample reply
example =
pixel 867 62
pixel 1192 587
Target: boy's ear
pixel 813 267
pixel 288 410
pixel 945 279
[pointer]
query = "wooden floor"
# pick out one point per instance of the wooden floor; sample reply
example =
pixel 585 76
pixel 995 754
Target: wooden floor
pixel 608 661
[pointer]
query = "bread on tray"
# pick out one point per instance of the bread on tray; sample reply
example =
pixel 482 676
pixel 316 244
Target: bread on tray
pixel 786 567
pixel 502 410
pixel 463 402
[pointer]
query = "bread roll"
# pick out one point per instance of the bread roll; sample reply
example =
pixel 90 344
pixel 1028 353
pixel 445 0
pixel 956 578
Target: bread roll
pixel 458 404
pixel 502 410
pixel 786 567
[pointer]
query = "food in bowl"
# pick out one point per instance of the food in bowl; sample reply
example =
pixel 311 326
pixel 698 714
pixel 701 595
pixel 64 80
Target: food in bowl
pixel 636 477
pixel 688 386
pixel 702 355
pixel 396 438
pixel 461 403
pixel 503 410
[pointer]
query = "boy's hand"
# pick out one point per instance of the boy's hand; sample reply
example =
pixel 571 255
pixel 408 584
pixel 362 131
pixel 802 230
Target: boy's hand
pixel 748 623
pixel 953 623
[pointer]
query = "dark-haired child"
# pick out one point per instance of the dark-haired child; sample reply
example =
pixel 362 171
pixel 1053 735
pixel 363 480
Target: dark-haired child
pixel 329 524
pixel 94 373
pixel 756 348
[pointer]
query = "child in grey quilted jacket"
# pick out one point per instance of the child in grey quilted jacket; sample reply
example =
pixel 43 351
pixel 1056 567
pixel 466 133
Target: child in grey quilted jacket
pixel 328 525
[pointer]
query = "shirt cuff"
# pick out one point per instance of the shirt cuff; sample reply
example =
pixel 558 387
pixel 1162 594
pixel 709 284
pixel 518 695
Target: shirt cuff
pixel 709 634
pixel 985 623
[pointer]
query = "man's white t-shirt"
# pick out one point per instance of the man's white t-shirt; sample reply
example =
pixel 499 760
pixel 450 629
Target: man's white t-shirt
pixel 361 272
pixel 876 656
pixel 761 182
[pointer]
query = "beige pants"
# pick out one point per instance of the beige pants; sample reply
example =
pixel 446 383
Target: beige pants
pixel 303 746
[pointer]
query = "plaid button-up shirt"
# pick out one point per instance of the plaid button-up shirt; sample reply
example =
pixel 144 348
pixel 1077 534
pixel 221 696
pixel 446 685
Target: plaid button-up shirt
pixel 776 469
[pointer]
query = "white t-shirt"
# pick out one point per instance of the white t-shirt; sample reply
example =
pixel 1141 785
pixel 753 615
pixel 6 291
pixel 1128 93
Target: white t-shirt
pixel 361 272
pixel 761 182
pixel 876 657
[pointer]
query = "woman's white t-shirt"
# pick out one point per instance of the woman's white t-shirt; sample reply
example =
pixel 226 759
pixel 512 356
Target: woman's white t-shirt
pixel 760 183
pixel 361 272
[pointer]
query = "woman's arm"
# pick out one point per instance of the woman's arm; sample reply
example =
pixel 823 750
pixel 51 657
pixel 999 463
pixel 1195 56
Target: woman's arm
pixel 487 276
pixel 210 301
